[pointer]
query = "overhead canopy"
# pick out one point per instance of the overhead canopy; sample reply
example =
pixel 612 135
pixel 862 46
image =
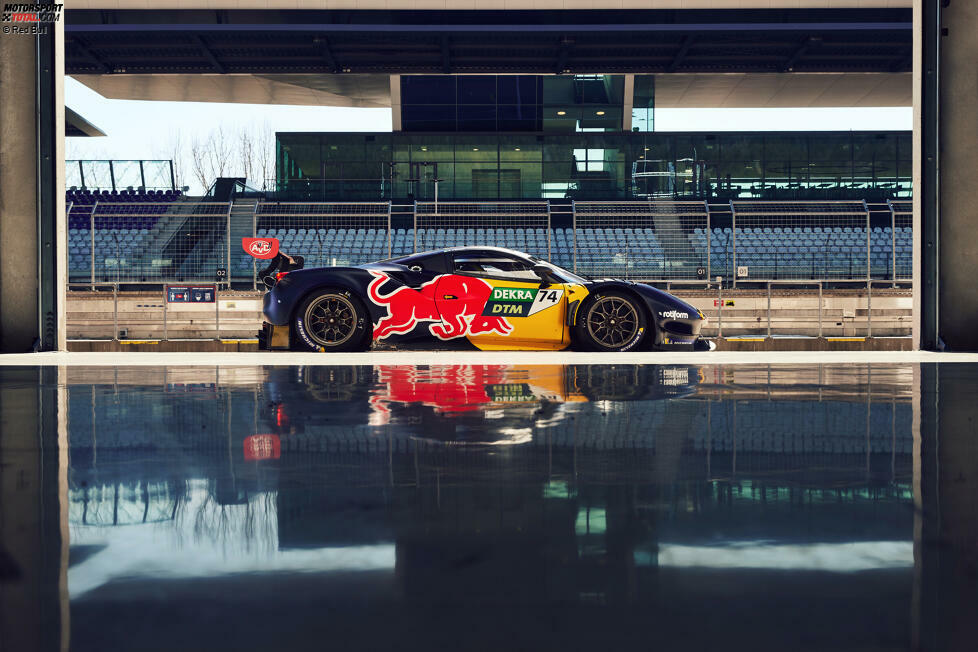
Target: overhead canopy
pixel 787 90
pixel 730 90
pixel 474 42
pixel 75 125
pixel 364 91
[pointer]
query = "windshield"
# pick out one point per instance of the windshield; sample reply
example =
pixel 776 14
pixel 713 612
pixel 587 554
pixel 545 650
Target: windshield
pixel 565 275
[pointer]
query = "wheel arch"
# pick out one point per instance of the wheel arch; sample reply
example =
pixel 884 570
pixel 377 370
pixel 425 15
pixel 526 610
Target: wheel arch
pixel 642 302
pixel 324 285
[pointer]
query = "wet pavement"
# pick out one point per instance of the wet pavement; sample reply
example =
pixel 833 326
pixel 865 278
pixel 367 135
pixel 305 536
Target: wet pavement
pixel 489 507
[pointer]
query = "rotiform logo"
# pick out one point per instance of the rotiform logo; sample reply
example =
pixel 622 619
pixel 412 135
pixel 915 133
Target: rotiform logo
pixel 31 13
pixel 674 314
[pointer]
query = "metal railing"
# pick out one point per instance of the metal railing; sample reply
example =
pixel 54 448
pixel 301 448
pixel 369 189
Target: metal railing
pixel 650 240
pixel 127 311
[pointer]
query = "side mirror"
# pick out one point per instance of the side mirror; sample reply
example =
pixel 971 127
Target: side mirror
pixel 545 273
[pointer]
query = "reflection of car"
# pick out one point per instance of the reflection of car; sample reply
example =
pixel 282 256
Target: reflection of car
pixel 487 404
pixel 498 299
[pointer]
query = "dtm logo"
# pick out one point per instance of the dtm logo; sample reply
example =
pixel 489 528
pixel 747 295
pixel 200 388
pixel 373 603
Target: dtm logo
pixel 263 248
pixel 674 314
pixel 458 311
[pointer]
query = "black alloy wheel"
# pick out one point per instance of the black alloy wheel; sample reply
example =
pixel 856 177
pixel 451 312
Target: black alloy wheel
pixel 331 321
pixel 612 321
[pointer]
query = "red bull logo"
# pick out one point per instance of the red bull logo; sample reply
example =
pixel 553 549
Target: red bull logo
pixel 451 303
pixel 263 248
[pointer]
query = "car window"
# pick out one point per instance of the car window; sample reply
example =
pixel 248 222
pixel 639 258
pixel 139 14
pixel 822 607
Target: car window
pixel 494 265
pixel 427 262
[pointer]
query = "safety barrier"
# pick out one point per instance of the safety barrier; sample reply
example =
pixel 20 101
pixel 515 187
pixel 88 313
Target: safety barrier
pixel 126 311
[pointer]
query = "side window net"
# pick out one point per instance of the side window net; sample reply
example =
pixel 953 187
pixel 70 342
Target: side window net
pixel 495 266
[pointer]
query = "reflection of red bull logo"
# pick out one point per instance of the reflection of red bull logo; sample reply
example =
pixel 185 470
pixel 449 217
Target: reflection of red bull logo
pixel 452 303
pixel 450 389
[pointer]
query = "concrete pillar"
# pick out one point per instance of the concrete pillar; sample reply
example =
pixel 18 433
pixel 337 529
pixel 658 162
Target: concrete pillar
pixel 33 510
pixel 32 224
pixel 944 610
pixel 957 159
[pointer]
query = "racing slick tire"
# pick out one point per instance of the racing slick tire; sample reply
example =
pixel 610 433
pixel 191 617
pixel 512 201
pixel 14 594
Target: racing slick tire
pixel 331 319
pixel 611 321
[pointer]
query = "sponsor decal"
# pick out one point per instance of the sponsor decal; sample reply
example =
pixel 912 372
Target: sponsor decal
pixel 449 318
pixel 674 314
pixel 262 447
pixel 678 340
pixel 726 302
pixel 263 248
pixel 521 302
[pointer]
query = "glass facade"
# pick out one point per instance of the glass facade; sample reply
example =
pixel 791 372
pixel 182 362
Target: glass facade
pixel 874 166
pixel 520 103
pixel 643 103
pixel 119 175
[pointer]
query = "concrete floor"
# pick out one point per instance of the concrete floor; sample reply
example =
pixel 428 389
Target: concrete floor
pixel 479 357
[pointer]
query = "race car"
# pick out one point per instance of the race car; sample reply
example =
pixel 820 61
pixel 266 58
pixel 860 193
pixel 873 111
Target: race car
pixel 495 298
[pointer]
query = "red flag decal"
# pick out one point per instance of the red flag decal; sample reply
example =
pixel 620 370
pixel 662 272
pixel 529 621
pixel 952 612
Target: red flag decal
pixel 263 248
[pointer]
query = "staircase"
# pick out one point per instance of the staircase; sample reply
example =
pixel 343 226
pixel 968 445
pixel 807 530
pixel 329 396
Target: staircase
pixel 243 225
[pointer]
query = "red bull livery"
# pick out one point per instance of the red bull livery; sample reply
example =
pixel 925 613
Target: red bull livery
pixel 493 298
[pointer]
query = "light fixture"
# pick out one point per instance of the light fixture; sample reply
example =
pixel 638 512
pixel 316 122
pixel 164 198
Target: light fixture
pixel 599 113
pixel 475 149
pixel 516 149
pixel 561 112
pixel 424 149
pixel 646 149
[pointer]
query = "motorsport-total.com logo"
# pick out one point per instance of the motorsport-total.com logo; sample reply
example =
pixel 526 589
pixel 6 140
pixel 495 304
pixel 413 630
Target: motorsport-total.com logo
pixel 19 18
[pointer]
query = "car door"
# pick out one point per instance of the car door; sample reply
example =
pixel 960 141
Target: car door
pixel 498 302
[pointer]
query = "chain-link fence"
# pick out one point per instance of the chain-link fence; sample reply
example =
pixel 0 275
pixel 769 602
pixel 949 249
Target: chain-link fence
pixel 642 239
pixel 798 240
pixel 524 226
pixel 327 234
pixel 144 242
pixel 140 242
pixel 900 238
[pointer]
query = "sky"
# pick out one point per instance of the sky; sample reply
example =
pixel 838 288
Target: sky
pixel 145 130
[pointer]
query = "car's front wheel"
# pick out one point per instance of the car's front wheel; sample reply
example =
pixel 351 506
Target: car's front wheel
pixel 611 321
pixel 331 320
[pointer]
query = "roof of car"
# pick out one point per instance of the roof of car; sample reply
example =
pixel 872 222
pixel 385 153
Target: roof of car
pixel 485 248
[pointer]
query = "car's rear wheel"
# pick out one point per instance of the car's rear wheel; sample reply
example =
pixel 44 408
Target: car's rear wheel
pixel 331 320
pixel 611 321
